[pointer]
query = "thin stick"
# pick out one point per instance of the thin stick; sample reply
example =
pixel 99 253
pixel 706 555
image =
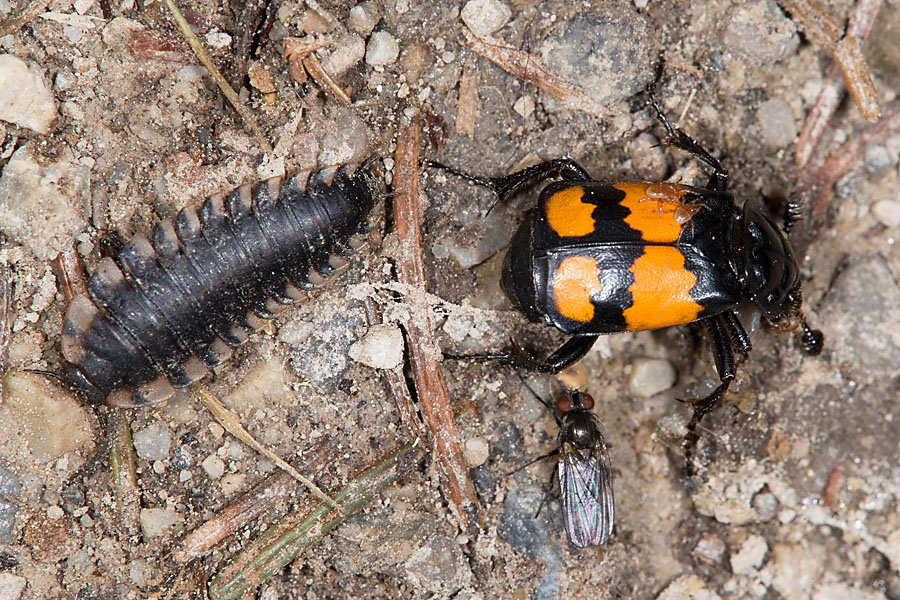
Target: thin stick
pixel 847 70
pixel 231 423
pixel 223 84
pixel 423 350
pixel 122 466
pixel 397 382
pixel 6 295
pixel 247 507
pixel 285 540
pixel 529 68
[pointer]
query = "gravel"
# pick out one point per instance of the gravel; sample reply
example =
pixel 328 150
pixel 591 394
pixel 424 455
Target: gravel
pixel 24 97
pixel 484 17
pixel 39 201
pixel 382 49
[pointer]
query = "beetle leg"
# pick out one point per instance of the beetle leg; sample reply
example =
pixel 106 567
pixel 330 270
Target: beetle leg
pixel 740 341
pixel 567 355
pixel 506 186
pixel 718 181
pixel 718 327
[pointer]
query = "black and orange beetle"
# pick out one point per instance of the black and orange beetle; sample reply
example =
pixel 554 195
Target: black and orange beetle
pixel 597 257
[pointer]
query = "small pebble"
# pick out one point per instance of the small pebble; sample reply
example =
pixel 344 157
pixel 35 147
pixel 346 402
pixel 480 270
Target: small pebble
pixel 776 123
pixel 382 49
pixel 214 466
pixel 749 558
pixel 381 347
pixel 609 51
pixel 345 52
pixel 710 550
pixel 24 97
pixel 55 512
pixel 438 567
pixel 878 160
pixel 11 586
pixel 363 17
pixel 156 521
pixel 153 442
pixel 688 586
pixel 484 17
pixel 650 376
pixel 218 39
pixel 50 419
pixel 232 483
pixel 476 452
pixel 760 31
pixel 524 106
pixel 766 506
pixel 10 490
pixel 888 212
pixel 37 197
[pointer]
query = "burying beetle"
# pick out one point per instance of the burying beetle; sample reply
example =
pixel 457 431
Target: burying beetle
pixel 596 257
pixel 583 469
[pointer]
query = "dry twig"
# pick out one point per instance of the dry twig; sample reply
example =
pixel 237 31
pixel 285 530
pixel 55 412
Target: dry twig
pixel 423 350
pixel 301 58
pixel 233 425
pixel 528 68
pixel 285 540
pixel 250 505
pixel 227 90
pixel 397 383
pixel 815 185
pixel 849 71
pixel 6 295
pixel 122 465
pixel 70 273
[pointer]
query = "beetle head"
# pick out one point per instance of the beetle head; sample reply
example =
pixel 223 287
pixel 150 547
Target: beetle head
pixel 770 272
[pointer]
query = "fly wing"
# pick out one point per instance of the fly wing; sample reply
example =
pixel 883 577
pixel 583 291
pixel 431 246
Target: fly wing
pixel 587 495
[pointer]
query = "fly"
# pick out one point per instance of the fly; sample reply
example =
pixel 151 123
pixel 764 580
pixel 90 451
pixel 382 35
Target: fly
pixel 583 470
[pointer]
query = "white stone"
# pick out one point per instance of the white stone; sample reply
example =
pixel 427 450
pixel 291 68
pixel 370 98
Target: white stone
pixel 24 97
pixel 476 452
pixel 382 49
pixel 887 211
pixel 38 201
pixel 50 420
pixel 11 586
pixel 484 17
pixel 346 51
pixel 218 39
pixel 687 586
pixel 214 466
pixel 157 521
pixel 750 557
pixel 524 106
pixel 381 347
pixel 363 17
pixel 843 591
pixel 650 376
pixel 153 442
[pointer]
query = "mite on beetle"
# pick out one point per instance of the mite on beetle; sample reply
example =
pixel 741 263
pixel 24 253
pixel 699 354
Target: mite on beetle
pixel 596 257
pixel 169 308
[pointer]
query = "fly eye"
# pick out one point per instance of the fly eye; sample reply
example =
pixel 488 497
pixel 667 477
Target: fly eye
pixel 564 404
pixel 587 400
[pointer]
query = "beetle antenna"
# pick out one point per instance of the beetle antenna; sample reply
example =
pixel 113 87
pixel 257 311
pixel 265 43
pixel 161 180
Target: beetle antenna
pixel 813 340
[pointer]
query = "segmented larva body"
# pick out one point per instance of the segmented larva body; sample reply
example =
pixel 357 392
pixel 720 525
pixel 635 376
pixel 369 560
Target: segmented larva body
pixel 167 310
